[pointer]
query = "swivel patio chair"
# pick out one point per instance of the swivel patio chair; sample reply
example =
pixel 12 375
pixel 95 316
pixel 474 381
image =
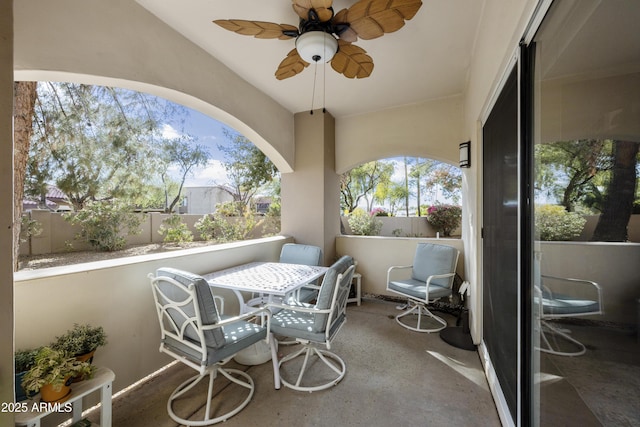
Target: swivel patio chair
pixel 314 326
pixel 561 297
pixel 432 274
pixel 193 332
pixel 295 253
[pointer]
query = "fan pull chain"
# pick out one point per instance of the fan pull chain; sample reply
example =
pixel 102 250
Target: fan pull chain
pixel 313 95
pixel 324 88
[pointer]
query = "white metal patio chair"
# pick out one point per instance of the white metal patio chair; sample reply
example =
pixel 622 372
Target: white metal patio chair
pixel 432 274
pixel 314 326
pixel 194 333
pixel 296 253
pixel 561 297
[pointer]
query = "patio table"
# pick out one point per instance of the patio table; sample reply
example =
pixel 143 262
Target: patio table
pixel 268 279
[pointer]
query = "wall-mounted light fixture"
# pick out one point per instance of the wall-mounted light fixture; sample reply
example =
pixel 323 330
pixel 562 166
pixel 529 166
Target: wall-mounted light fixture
pixel 465 154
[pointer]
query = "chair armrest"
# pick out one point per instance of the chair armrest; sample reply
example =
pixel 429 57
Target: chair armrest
pixel 571 282
pixel 219 301
pixel 439 276
pixel 262 312
pixel 394 268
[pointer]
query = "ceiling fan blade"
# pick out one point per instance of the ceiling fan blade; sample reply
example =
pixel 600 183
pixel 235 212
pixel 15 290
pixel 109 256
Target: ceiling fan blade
pixel 343 29
pixel 291 65
pixel 352 61
pixel 321 7
pixel 258 29
pixel 373 18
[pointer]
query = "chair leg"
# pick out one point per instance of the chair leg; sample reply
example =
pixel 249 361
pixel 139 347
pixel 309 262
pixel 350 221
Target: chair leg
pixel 555 331
pixel 420 310
pixel 330 359
pixel 234 375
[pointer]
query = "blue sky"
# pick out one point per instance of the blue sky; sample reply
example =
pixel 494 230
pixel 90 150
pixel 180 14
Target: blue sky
pixel 208 132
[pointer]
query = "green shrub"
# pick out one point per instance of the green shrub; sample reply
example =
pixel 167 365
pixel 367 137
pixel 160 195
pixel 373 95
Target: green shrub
pixel 229 209
pixel 553 222
pixel 174 230
pixel 206 226
pixel 29 227
pixel 364 224
pixel 444 218
pixel 224 229
pixel 103 222
pixel 379 212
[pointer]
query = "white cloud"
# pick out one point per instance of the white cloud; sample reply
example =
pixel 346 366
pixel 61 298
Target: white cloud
pixel 211 174
pixel 169 132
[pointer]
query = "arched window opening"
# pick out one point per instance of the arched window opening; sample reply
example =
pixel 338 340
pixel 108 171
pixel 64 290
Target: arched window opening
pixel 406 187
pixel 118 171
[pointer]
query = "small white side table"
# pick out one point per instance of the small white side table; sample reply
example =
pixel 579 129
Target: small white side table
pixel 102 380
pixel 357 277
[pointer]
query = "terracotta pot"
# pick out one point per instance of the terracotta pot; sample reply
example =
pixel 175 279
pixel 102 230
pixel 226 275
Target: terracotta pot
pixel 87 357
pixel 48 394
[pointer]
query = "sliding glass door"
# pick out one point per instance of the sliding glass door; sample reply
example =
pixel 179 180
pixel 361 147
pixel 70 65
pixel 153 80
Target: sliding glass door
pixel 586 113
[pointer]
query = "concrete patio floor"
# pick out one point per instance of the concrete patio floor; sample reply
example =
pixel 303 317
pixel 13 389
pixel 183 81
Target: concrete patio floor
pixel 394 377
pixel 399 377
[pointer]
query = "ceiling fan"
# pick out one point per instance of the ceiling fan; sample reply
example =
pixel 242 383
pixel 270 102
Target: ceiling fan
pixel 324 36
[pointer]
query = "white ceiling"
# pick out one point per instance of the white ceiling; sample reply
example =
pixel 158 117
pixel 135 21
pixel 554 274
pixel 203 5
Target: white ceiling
pixel 426 59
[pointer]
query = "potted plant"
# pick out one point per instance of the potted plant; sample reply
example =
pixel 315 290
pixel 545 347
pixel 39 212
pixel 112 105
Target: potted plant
pixel 81 341
pixel 24 360
pixel 51 374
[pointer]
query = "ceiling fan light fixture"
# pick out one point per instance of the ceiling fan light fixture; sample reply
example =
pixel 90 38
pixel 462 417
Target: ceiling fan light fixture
pixel 316 46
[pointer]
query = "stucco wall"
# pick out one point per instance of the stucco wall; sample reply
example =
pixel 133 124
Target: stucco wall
pixel 116 294
pixel 431 129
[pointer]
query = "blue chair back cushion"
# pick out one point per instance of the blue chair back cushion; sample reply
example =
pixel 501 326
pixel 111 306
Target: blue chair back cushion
pixel 309 325
pixel 294 253
pixel 214 338
pixel 433 259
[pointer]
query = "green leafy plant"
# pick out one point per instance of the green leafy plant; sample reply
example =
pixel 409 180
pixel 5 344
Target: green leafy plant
pixel 103 222
pixel 82 339
pixel 24 359
pixel 29 227
pixel 363 223
pixel 174 230
pixel 53 367
pixel 206 226
pixel 224 229
pixel 444 218
pixel 554 223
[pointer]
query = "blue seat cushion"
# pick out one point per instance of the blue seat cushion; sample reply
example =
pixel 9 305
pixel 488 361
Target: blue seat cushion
pixel 297 324
pixel 416 289
pixel 237 336
pixel 566 305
